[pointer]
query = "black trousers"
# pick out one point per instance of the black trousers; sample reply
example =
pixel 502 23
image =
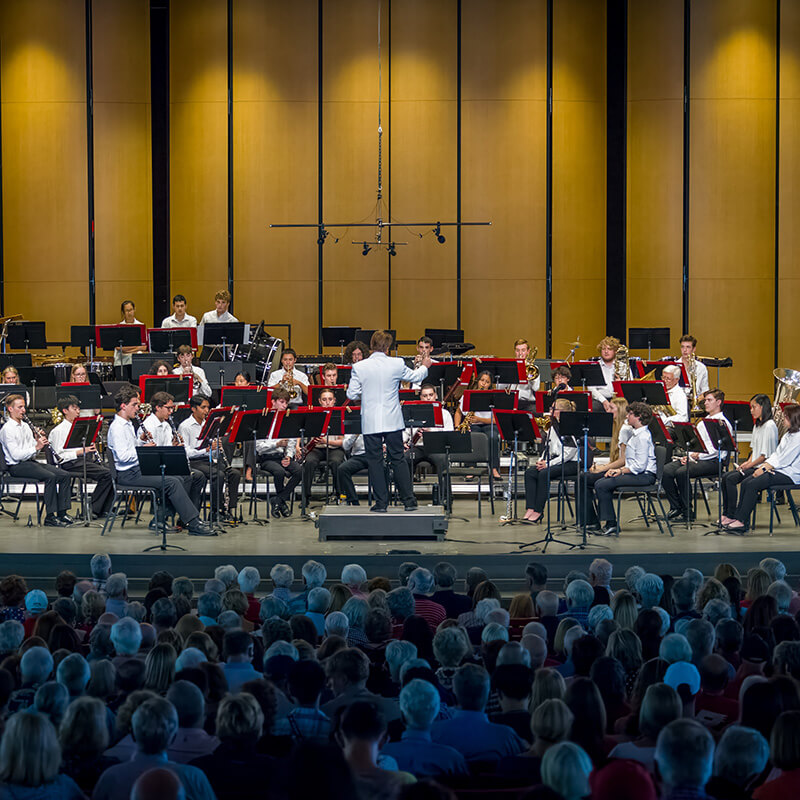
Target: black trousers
pixel 57 483
pixel 677 476
pixel 218 478
pixel 749 493
pixel 537 486
pixel 344 474
pixel 604 492
pixel 271 464
pixel 334 456
pixel 730 480
pixel 103 493
pixel 373 445
pixel 174 490
pixel 417 455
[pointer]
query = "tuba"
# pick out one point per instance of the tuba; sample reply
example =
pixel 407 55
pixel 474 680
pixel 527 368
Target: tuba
pixel 622 367
pixel 787 386
pixel 531 370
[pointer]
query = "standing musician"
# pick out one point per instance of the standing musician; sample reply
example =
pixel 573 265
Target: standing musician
pixel 185 367
pixel 481 422
pixel 122 441
pixel 179 318
pixel 780 468
pixel 376 381
pixel 526 400
pixel 294 380
pixel 563 461
pixel 678 474
pixel 356 462
pixel 607 348
pixel 20 448
pixel 217 473
pixel 330 374
pixel 671 376
pixel 326 448
pixel 77 459
pixel 688 346
pixel 639 470
pixel 122 357
pixel 562 375
pixel 763 444
pixel 415 450
pixel 277 458
pixel 162 433
pixel 355 351
pixel 220 313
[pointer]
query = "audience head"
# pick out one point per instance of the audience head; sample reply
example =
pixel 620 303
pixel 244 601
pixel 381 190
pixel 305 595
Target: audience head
pixel 154 725
pixel 158 783
pixel 419 704
pixel 353 576
pixel 471 687
pixel 398 652
pixel 741 755
pixel 684 754
pixel 318 600
pixel 36 665
pixel 421 581
pixel 565 769
pixel 249 579
pixel 30 754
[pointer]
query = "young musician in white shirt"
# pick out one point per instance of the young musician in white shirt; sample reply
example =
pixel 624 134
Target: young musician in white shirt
pixel 678 474
pixel 20 448
pixel 781 468
pixel 82 461
pixel 356 462
pixel 330 374
pixel 179 318
pixel 526 392
pixel 481 422
pixel 326 448
pixel 122 358
pixel 220 313
pixel 607 347
pixel 688 346
pixel 185 367
pixel 292 379
pixel 562 375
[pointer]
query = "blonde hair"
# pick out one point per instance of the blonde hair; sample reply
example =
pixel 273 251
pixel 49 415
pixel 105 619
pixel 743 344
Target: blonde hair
pixel 223 294
pixel 75 368
pixel 235 600
pixel 609 341
pixel 521 606
pixel 340 594
pixel 561 632
pixel 551 721
pixel 84 731
pixel 620 406
pixel 724 571
pixel 624 607
pixel 239 716
pixel 518 342
pixel 547 685
pixel 30 754
pixel 159 668
pixel 562 404
pixel 758 582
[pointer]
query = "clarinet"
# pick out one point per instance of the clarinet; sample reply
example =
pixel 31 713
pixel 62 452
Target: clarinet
pixel 176 432
pixel 39 433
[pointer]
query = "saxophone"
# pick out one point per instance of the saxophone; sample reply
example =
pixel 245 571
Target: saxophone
pixel 466 423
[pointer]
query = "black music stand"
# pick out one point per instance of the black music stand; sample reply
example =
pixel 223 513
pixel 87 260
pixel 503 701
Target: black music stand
pixel 224 335
pixel 88 395
pixel 419 415
pixel 488 400
pixel 515 427
pixel 303 424
pixel 315 389
pixel 651 392
pixel 12 388
pixel 590 374
pixel 582 425
pixel 217 424
pixel 343 374
pixel 444 374
pixel 659 432
pixel 119 336
pixel 685 436
pixel 83 433
pixel 247 398
pixel 163 461
pixel 223 373
pixel 84 337
pixel 27 336
pixel 639 338
pixel 582 400
pixel 721 438
pixel 36 376
pixel 739 414
pixel 442 336
pixel 448 442
pixel 179 388
pixel 168 340
pixel 338 336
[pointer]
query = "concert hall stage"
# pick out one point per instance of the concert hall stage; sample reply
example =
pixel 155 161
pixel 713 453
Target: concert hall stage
pixel 40 553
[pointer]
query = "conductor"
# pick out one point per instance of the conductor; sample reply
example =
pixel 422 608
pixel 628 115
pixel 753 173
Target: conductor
pixel 376 381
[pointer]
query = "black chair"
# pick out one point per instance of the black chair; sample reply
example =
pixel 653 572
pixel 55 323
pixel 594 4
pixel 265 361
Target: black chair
pixel 476 463
pixel 6 479
pixel 645 494
pixel 123 495
pixel 772 493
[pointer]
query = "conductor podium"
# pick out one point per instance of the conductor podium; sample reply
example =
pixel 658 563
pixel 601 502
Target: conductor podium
pixel 427 523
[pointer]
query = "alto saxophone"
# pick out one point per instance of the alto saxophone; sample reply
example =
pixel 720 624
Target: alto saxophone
pixel 466 423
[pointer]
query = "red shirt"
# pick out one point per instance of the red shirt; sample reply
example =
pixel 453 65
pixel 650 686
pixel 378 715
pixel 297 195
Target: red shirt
pixel 432 613
pixel 253 609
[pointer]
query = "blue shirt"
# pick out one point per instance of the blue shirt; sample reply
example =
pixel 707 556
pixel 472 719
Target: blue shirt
pixel 477 739
pixel 418 754
pixel 237 674
pixel 318 620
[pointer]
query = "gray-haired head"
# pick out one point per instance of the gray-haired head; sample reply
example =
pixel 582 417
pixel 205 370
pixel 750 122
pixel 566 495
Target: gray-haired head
pixel 12 633
pixel 397 653
pixel 404 570
pixel 494 632
pixel 353 575
pixel 136 611
pixel 536 647
pixel 337 624
pixel 214 585
pixel 444 575
pixel 547 603
pixel 513 653
pixel 154 725
pixel 741 755
pixel 580 594
pixel 314 574
pixel 782 593
pixel 597 614
pixel 36 665
pixel 116 585
pixel 632 575
pixel 572 636
pixel 716 610
pixel 419 704
pixel 565 769
pixel 674 647
pixel 229 620
pixel 272 607
pixel 281 648
pixel 574 575
pixel 684 753
pixel 356 610
pixel 126 636
pixel 209 604
pixel 484 607
pixel 500 616
pixel 282 575
pixel 227 573
pixel 684 593
pixel 601 571
pixel 182 586
pixel 100 566
pixel 319 598
pixel 401 603
pixel 52 699
pixel 700 635
pixel 451 646
pixel 694 576
pixel 249 578
pixel 775 568
pixel 190 657
pixel 73 673
pixel 535 629
pixel 650 589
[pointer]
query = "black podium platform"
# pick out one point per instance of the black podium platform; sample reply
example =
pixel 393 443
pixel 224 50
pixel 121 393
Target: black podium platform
pixel 358 522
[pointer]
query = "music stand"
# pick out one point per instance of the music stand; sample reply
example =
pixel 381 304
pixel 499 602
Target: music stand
pixel 739 414
pixel 659 432
pixel 338 336
pixel 84 337
pixel 440 336
pixel 639 338
pixel 26 336
pixel 179 388
pixel 422 414
pixel 581 425
pixel 168 340
pixel 545 400
pixel 488 400
pixel 15 360
pixel 315 389
pixel 223 373
pixel 216 425
pixel 247 398
pixel 514 427
pixel 445 373
pixel 685 436
pixel 163 461
pixel 87 393
pixel 111 337
pixel 721 438
pixel 36 376
pixel 83 433
pixel 448 442
pixel 545 369
pixel 351 420
pixel 224 335
pixel 590 373
pixel 651 392
pixel 343 374
pixel 12 388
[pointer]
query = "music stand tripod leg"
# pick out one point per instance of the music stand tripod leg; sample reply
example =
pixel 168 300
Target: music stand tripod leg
pixel 163 523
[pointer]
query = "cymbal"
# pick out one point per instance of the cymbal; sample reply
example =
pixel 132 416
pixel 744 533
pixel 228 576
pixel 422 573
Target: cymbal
pixel 573 344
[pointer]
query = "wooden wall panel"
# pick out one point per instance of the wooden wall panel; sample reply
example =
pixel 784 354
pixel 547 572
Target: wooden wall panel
pixel 789 177
pixel 275 164
pixel 355 288
pixel 43 92
pixel 424 162
pixel 732 188
pixel 122 159
pixel 198 53
pixel 504 128
pixel 579 173
pixel 655 167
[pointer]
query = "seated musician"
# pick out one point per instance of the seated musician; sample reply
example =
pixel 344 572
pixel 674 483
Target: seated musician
pixel 159 428
pixel 414 440
pixel 763 444
pixel 355 351
pixel 20 448
pixel 356 462
pixel 330 374
pixel 692 363
pixel 161 368
pixel 621 431
pixel 277 458
pixel 607 348
pixel 220 313
pixel 11 375
pixel 179 318
pixel 526 400
pixel 122 442
pixel 294 380
pixel 241 379
pixel 671 376
pixel 639 469
pixel 185 367
pixel 678 474
pixel 481 422
pixel 78 374
pixel 218 473
pixel 82 460
pixel 563 462
pixel 326 448
pixel 122 358
pixel 780 468
pixel 562 375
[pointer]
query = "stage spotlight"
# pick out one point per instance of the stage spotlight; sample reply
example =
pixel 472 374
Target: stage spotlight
pixel 366 249
pixel 392 250
pixel 437 231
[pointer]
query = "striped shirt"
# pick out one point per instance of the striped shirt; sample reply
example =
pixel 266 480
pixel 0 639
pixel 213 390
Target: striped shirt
pixel 433 613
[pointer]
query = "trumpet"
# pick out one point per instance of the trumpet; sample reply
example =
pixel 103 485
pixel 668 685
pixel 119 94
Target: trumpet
pixel 290 384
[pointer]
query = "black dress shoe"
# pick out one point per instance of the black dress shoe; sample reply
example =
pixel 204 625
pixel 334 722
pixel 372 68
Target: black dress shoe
pixel 411 506
pixel 353 503
pixel 52 521
pixel 379 509
pixel 676 513
pixel 276 509
pixel 610 530
pixel 199 529
pixel 285 510
pixel 66 518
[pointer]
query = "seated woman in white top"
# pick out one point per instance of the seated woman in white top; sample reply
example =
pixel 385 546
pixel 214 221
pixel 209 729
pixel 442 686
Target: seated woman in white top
pixel 122 357
pixel 481 422
pixel 763 443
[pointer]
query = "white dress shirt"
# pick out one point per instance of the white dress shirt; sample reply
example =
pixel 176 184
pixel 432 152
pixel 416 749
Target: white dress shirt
pixel 122 443
pixel 190 429
pixel 640 455
pixel 299 377
pixel 560 453
pixel 58 437
pixel 354 444
pixel 525 391
pixel 212 316
pixel 625 433
pixel 712 453
pixel 269 446
pixel 765 439
pixel 447 425
pixel 679 401
pixel 160 431
pixel 124 359
pixel 418 386
pixel 188 321
pixel 376 380
pixel 701 376
pixel 606 391
pixel 786 459
pixel 200 381
pixel 18 442
pixel 479 417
